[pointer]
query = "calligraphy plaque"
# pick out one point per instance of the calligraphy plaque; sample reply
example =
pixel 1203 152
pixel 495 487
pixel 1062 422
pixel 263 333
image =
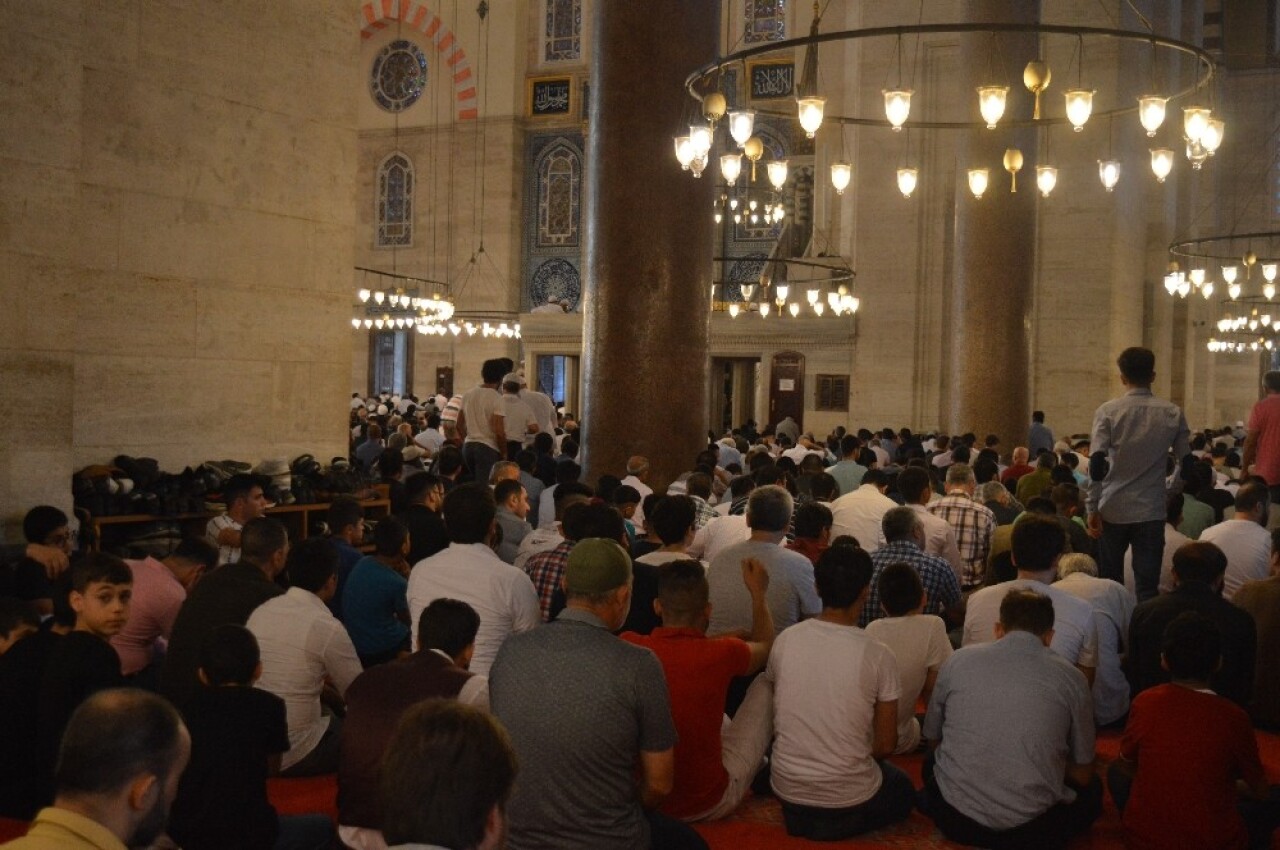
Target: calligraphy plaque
pixel 771 80
pixel 550 96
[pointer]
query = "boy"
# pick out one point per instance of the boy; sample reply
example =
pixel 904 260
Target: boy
pixel 627 500
pixel 1189 774
pixel 83 662
pixel 238 734
pixel 919 642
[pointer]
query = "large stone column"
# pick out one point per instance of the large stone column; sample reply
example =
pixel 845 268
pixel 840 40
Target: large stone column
pixel 648 242
pixel 989 357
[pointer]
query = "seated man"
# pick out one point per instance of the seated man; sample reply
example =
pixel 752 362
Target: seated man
pixel 45 528
pixel 118 770
pixel 1261 601
pixel 812 527
pixel 378 699
pixel 1011 726
pixel 427 535
pixel 714 765
pixel 672 519
pixel 904 534
pixel 1112 608
pixel 374 608
pixel 302 645
pixel 245 500
pixel 1244 538
pixel 513 510
pixel 835 716
pixel 1189 773
pixel 345 519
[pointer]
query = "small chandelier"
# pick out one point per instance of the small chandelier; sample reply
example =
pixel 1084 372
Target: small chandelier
pixel 810 109
pixel 1161 163
pixel 897 106
pixel 742 123
pixel 1079 107
pixel 907 179
pixel 1109 173
pixel 978 181
pixel 841 172
pixel 777 170
pixel 1046 179
pixel 1151 109
pixel 991 101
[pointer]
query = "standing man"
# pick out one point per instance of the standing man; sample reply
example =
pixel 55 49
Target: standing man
pixel 1262 440
pixel 1039 436
pixel 518 417
pixel 480 422
pixel 245 500
pixel 1130 440
pixel 544 409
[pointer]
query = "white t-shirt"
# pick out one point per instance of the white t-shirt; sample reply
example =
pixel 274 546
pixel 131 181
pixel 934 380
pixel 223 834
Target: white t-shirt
pixel 517 417
pixel 920 644
pixel 1075 636
pixel 718 534
pixel 1247 546
pixel 226 554
pixel 657 558
pixel 544 410
pixel 478 408
pixel 827 679
pixel 861 514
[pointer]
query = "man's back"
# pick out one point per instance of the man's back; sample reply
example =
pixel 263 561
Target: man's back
pixel 427 534
pixel 21 670
pixel 860 514
pixel 791 595
pixel 942 589
pixel 1247 546
pixel 479 404
pixel 579 705
pixel 718 535
pixel 1112 609
pixel 1136 431
pixel 1261 600
pixel 1075 636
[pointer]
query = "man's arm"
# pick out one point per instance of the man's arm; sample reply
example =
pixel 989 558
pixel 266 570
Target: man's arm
pixel 498 421
pixel 1089 673
pixel 756 578
pixel 460 424
pixel 341 663
pixel 53 559
pixel 1250 451
pixel 884 725
pixel 657 776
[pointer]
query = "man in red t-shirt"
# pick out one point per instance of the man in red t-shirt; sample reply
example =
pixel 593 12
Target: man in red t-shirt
pixel 1183 751
pixel 1262 439
pixel 714 765
pixel 1018 467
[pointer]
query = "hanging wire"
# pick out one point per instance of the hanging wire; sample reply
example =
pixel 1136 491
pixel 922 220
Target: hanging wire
pixel 453 126
pixel 915 56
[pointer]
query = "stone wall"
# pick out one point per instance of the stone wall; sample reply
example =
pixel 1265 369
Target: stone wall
pixel 176 188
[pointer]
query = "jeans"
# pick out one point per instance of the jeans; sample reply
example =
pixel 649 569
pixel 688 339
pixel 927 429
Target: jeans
pixel 1147 539
pixel 305 832
pixel 480 459
pixel 892 803
pixel 670 834
pixel 1261 817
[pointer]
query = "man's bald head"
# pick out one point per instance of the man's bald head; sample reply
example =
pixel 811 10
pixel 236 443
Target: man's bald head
pixel 1020 455
pixel 638 465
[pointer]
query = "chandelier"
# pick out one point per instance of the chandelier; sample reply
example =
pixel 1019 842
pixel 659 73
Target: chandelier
pixel 391 301
pixel 1200 135
pixel 824 290
pixel 1250 317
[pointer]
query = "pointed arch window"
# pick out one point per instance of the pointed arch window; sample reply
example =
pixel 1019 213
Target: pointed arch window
pixel 563 35
pixel 559 196
pixel 394 213
pixel 766 20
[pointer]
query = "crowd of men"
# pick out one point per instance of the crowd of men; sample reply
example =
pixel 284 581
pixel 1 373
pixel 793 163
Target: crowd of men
pixel 520 658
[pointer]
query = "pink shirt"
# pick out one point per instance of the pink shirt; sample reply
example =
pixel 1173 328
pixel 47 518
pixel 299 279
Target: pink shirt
pixel 1265 419
pixel 157 596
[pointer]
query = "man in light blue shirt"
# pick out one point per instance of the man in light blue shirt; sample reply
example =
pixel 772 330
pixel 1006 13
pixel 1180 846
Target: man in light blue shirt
pixel 1130 440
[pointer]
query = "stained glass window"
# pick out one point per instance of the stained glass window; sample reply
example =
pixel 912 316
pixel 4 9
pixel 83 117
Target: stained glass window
pixel 399 76
pixel 766 20
pixel 559 196
pixel 563 37
pixel 394 214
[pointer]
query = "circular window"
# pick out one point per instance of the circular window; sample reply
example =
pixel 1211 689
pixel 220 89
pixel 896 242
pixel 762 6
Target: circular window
pixel 555 280
pixel 399 76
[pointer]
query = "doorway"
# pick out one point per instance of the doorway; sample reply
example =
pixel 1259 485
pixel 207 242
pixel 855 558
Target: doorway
pixel 786 387
pixel 733 392
pixel 390 362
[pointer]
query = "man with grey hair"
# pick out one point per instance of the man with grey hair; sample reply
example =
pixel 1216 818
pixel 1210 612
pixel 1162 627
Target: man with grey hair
pixel 904 536
pixel 972 521
pixel 1112 607
pixel 637 476
pixel 999 501
pixel 792 595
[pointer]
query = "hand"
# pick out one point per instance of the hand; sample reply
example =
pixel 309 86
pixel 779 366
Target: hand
pixel 755 576
pixel 53 559
pixel 1094 524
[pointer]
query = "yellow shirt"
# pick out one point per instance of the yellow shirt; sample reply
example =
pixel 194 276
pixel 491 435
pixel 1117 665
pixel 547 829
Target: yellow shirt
pixel 59 829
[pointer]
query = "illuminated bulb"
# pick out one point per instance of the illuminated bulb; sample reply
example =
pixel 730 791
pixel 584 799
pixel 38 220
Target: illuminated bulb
pixel 851 304
pixel 1079 107
pixel 1196 154
pixel 1161 163
pixel 1211 138
pixel 1171 282
pixel 794 309
pixel 748 289
pixel 368 323
pixel 755 218
pixel 731 167
pixel 719 218
pixel 1233 290
pixel 833 298
pixel 1197 278
pixel 812 296
pixel 733 311
pixel 737 218
pixel 778 213
pixel 1183 288
pixel 907 179
pixel 698 164
pixel 363 295
pixel 777 173
pixel 1151 109
pixel 817 308
pixel 1269 290
pixel 379 297
pixel 684 151
pixel 764 309
pixel 752 205
pixel 1269 271
pixel 1195 119
pixel 782 291
pixel 1109 173
pixel 978 180
pixel 700 139
pixel 355 323
pixel 733 203
pixel 897 106
pixel 1229 273
pixel 1207 290
pixel 991 100
pixel 841 172
pixel 741 124
pixel 810 113
pixel 1046 179
pixel 378 323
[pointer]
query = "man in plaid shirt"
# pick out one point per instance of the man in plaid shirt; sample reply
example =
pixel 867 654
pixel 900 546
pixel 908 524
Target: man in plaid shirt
pixel 973 522
pixel 904 536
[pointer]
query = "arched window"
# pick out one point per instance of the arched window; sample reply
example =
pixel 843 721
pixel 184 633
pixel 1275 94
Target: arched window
pixel 563 35
pixel 766 20
pixel 394 213
pixel 559 196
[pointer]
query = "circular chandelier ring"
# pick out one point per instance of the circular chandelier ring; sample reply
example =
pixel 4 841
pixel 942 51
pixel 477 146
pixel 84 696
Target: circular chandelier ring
pixel 1204 71
pixel 1197 248
pixel 843 275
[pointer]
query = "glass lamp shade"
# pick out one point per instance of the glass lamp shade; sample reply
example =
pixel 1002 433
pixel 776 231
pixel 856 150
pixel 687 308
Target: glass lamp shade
pixel 1234 291
pixel 810 113
pixel 764 309
pixel 907 180
pixel 1269 271
pixel 1268 290
pixel 1046 179
pixel 1109 173
pixel 1195 119
pixel 794 309
pixel 777 173
pixel 698 164
pixel 684 151
pixel 355 323
pixel 719 217
pixel 363 295
pixel 1211 138
pixel 812 296
pixel 1229 273
pixel 1161 163
pixel 1196 154
pixel 1207 290
pixel 818 308
pixel 1151 109
pixel 991 100
pixel 782 291
pixel 1184 288
pixel 897 106
pixel 731 167
pixel 1079 107
pixel 733 311
pixel 778 213
pixel 368 323
pixel 979 179
pixel 700 139
pixel 1171 281
pixel 742 123
pixel 841 172
pixel 1197 278
pixel 748 289
pixel 379 297
pixel 851 304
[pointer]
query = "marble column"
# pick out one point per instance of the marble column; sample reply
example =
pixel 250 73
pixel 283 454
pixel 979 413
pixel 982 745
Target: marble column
pixel 649 232
pixel 989 352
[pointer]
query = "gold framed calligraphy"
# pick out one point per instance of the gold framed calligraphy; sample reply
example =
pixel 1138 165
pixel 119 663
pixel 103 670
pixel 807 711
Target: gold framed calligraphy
pixel 771 80
pixel 550 97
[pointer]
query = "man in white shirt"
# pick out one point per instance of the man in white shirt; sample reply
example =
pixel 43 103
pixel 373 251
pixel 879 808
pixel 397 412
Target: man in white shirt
pixel 518 418
pixel 245 501
pixel 1038 543
pixel 430 439
pixel 544 409
pixel 861 513
pixel 1112 608
pixel 480 422
pixel 940 538
pixel 637 475
pixel 1244 538
pixel 470 571
pixel 302 646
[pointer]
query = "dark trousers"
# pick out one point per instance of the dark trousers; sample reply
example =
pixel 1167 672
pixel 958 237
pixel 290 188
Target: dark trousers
pixel 1053 828
pixel 305 832
pixel 892 803
pixel 1261 817
pixel 479 458
pixel 1147 540
pixel 670 834
pixel 324 758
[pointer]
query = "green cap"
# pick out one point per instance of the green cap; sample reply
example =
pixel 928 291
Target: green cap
pixel 596 565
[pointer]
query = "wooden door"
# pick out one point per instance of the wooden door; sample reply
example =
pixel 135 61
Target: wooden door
pixel 786 387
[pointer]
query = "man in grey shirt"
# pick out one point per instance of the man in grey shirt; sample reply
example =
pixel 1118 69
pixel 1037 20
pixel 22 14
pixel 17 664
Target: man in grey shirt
pixel 1011 728
pixel 587 714
pixel 1130 441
